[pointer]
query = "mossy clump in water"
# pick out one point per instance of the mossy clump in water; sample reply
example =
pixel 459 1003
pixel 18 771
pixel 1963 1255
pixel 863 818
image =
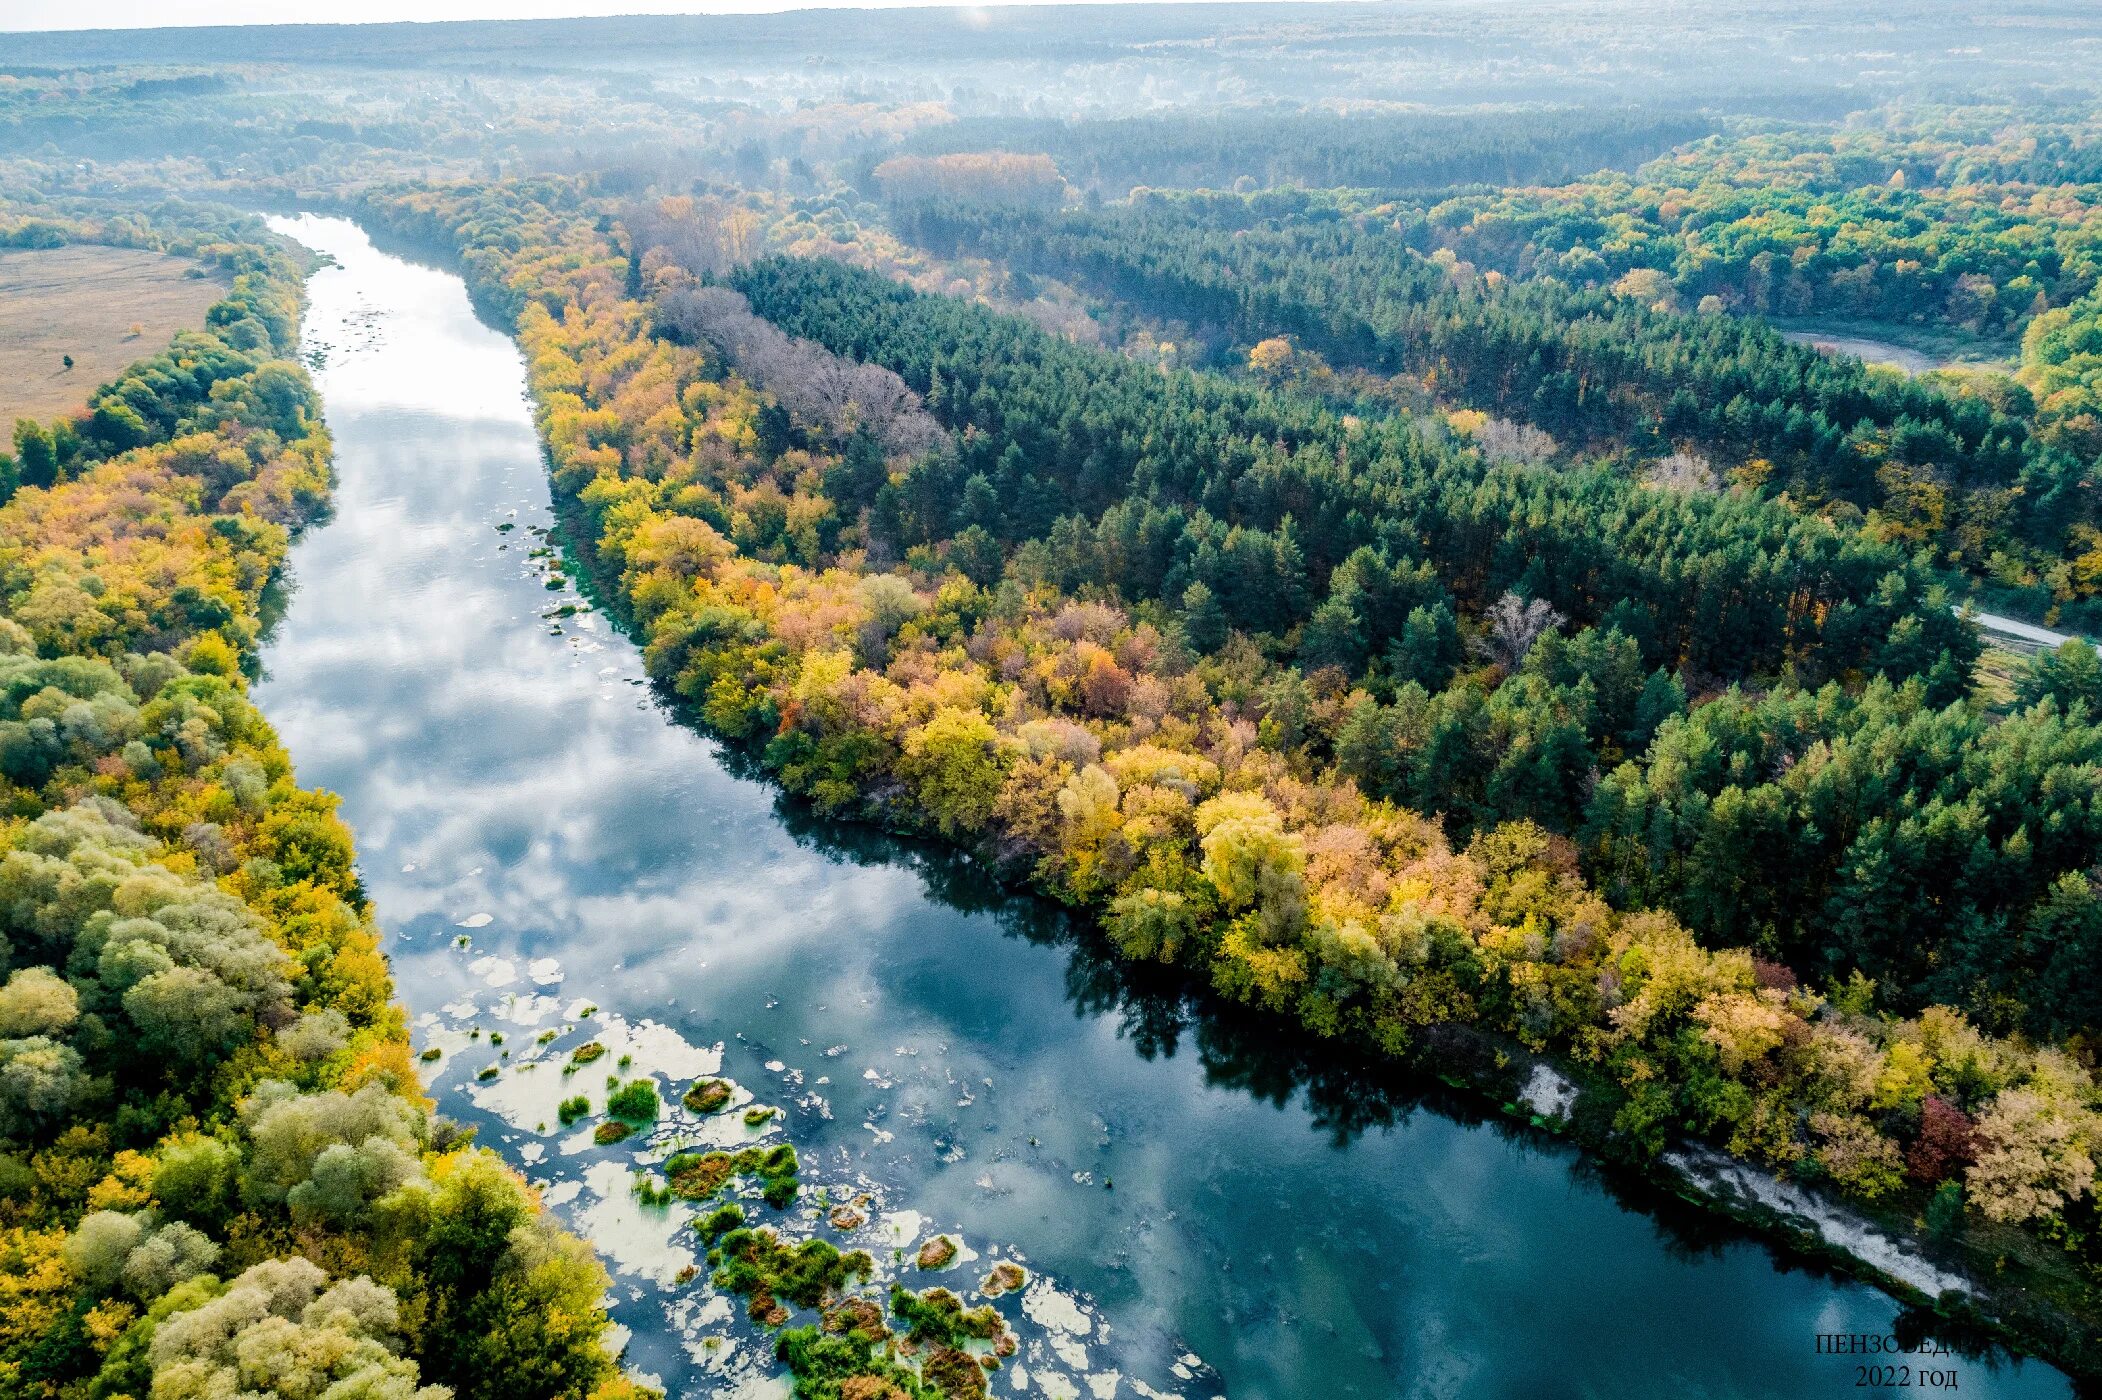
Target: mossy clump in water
pixel 937 1253
pixel 720 1221
pixel 756 1265
pixel 699 1175
pixel 1004 1278
pixel 853 1355
pixel 846 1366
pixel 759 1117
pixel 650 1192
pixel 571 1109
pixel 938 1317
pixel 431 1054
pixel 707 1096
pixel 954 1373
pixel 610 1132
pixel 847 1219
pixel 635 1101
pixel 583 1055
pixel 856 1315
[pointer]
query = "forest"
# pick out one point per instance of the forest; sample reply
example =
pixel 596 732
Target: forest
pixel 1408 570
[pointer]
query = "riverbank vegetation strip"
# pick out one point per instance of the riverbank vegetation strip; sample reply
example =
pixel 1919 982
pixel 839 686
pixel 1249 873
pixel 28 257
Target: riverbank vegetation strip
pixel 218 1170
pixel 1305 703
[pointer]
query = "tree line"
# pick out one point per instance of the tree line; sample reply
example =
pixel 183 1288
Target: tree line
pixel 1365 150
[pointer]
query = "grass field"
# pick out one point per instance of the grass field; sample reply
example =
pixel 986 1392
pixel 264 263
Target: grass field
pixel 83 301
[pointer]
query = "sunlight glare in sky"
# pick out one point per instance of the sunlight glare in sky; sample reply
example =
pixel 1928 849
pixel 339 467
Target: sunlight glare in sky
pixel 143 14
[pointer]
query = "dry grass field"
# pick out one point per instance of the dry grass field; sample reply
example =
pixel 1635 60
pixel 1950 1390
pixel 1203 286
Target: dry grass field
pixel 84 301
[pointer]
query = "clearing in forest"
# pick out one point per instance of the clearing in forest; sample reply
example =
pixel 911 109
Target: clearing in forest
pixel 106 307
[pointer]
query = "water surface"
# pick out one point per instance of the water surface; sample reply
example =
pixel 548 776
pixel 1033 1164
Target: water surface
pixel 1210 1206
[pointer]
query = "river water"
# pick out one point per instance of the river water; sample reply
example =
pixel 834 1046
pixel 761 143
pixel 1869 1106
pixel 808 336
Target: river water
pixel 1206 1205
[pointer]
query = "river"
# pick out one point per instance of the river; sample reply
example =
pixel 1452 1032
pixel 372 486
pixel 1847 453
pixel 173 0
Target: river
pixel 1206 1205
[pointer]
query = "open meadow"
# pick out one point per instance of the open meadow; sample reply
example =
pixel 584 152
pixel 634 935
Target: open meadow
pixel 103 306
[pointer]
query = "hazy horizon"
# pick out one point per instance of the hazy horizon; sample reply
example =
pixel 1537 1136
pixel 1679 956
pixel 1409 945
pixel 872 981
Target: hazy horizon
pixel 47 16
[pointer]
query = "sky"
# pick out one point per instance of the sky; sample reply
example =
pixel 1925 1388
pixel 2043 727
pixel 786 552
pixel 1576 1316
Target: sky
pixel 145 14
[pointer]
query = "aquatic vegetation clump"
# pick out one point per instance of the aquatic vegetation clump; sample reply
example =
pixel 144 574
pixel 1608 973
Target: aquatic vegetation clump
pixel 720 1221
pixel 846 1366
pixel 634 1102
pixel 697 1176
pixel 571 1109
pixel 938 1317
pixel 708 1096
pixel 1004 1278
pixel 937 1253
pixel 856 1314
pixel 610 1132
pixel 756 1265
pixel 956 1374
